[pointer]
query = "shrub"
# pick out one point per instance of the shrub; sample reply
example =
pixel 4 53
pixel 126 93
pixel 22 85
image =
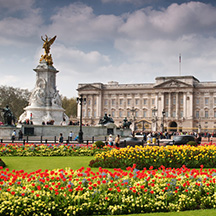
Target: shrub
pixel 99 144
pixel 192 143
pixel 2 164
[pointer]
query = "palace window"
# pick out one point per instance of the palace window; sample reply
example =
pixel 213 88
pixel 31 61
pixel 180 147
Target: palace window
pixel 89 102
pixel 137 101
pixel 174 101
pixel 214 114
pixel 197 114
pixel 129 101
pixel 214 101
pixel 128 114
pixel 206 114
pixel 144 113
pixel 105 102
pixel 121 101
pixel 145 101
pixel 113 102
pixel 197 101
pixel 113 113
pixel 174 114
pixel 120 113
pixel 137 114
pixel 181 114
pixel 153 101
pixel 181 101
pixel 206 101
pixel 167 101
pixel 94 114
pixel 89 113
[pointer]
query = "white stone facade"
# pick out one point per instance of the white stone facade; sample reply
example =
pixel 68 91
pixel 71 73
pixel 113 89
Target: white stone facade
pixel 189 105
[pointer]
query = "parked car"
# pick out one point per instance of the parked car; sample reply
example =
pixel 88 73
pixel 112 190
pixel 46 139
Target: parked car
pixel 181 140
pixel 131 141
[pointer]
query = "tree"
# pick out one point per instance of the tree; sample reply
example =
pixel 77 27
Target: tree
pixel 70 106
pixel 15 98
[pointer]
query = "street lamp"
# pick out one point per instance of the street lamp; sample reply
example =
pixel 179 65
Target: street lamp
pixel 154 119
pixel 81 101
pixel 133 114
pixel 163 115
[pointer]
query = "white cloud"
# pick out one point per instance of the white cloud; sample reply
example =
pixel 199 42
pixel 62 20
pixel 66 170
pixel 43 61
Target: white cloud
pixel 16 5
pixel 77 22
pixel 173 22
pixel 136 2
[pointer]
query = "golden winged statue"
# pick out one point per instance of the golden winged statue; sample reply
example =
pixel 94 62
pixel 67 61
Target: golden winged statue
pixel 46 45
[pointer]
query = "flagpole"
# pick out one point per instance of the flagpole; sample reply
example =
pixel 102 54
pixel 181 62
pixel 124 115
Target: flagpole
pixel 179 64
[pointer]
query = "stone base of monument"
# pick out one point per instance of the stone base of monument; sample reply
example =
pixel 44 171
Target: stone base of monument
pixel 50 131
pixel 44 114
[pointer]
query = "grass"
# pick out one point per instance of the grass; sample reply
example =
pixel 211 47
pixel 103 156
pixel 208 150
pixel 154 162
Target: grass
pixel 206 212
pixel 30 164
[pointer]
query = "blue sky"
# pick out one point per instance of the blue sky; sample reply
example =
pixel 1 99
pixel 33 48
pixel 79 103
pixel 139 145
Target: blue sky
pixel 129 41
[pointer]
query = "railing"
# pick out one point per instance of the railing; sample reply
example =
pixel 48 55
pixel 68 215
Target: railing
pixel 47 140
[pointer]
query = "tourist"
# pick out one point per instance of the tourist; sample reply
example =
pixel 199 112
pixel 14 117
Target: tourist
pixel 20 135
pixel 71 136
pixel 60 138
pixel 13 136
pixel 117 141
pixel 110 140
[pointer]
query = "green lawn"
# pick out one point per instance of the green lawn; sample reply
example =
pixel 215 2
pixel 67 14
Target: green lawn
pixel 30 164
pixel 207 212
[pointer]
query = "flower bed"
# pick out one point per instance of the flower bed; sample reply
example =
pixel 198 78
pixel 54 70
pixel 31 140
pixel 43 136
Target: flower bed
pixel 83 192
pixel 15 149
pixel 170 156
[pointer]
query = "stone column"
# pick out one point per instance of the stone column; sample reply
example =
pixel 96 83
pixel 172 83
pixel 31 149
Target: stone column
pixel 92 107
pixel 190 104
pixel 177 105
pixel 100 108
pixel 169 107
pixel 184 105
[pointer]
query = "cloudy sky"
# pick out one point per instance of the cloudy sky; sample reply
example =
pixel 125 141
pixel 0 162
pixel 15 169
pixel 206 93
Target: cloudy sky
pixel 129 41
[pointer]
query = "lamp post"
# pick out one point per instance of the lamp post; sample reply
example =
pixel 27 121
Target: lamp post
pixel 154 119
pixel 133 114
pixel 80 101
pixel 163 115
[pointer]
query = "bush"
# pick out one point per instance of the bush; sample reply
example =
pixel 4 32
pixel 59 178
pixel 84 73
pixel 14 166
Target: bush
pixel 192 143
pixel 99 144
pixel 2 164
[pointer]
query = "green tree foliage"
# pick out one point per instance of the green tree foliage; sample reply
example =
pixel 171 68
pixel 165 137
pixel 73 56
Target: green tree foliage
pixel 15 98
pixel 70 106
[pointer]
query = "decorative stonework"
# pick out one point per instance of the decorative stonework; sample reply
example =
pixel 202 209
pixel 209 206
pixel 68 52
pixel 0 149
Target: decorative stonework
pixel 45 102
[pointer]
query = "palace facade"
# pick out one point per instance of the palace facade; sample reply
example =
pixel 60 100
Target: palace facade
pixel 181 103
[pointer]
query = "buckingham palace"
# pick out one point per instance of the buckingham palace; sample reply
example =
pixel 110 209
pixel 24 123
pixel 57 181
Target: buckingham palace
pixel 177 103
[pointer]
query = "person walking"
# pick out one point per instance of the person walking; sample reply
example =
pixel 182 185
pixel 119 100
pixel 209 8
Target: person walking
pixel 13 136
pixel 117 141
pixel 61 139
pixel 71 136
pixel 110 140
pixel 20 135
